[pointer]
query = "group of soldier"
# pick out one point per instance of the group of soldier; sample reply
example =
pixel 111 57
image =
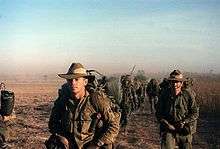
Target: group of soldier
pixel 84 116
pixel 173 103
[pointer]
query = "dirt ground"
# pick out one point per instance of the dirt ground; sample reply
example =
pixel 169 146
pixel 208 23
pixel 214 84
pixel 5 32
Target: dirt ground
pixel 34 101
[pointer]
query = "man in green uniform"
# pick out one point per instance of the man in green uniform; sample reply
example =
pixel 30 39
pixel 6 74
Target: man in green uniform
pixel 140 92
pixel 176 111
pixel 76 114
pixel 128 101
pixel 153 92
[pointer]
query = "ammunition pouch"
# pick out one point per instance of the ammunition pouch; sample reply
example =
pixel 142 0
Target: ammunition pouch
pixel 95 122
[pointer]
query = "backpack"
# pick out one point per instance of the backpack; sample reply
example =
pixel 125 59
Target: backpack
pixel 98 123
pixel 7 101
pixel 99 87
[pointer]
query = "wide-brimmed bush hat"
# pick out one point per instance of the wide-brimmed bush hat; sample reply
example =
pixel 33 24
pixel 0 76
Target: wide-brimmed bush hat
pixel 176 75
pixel 76 70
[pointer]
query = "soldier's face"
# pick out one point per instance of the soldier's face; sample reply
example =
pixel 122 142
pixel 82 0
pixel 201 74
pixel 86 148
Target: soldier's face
pixel 176 86
pixel 78 85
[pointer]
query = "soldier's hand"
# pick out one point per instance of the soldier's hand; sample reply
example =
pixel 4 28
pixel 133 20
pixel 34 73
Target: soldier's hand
pixel 171 127
pixel 180 125
pixel 183 128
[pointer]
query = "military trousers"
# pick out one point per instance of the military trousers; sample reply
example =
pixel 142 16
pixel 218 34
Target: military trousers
pixel 172 141
pixel 153 102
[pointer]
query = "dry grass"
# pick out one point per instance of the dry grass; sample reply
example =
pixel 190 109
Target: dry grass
pixel 208 95
pixel 34 100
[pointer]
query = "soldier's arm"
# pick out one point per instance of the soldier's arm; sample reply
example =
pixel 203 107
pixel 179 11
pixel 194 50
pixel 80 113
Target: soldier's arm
pixel 157 90
pixel 193 109
pixel 111 119
pixel 159 108
pixel 133 93
pixel 55 117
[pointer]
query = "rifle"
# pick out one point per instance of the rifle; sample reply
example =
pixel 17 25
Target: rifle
pixel 179 127
pixel 132 70
pixel 167 125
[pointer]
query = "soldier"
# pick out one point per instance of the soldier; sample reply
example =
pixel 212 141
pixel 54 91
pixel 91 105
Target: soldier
pixel 153 92
pixel 76 113
pixel 140 92
pixel 128 101
pixel 177 111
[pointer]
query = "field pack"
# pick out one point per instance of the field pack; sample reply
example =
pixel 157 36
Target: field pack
pixel 7 101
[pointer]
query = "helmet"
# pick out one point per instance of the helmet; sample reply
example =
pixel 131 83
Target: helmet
pixel 176 75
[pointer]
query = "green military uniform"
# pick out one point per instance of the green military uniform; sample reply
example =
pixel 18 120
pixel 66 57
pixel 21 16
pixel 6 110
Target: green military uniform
pixel 175 110
pixel 129 99
pixel 153 92
pixel 73 119
pixel 140 92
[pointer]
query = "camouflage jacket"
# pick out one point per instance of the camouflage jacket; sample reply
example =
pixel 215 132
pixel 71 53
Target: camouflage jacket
pixel 182 107
pixel 70 117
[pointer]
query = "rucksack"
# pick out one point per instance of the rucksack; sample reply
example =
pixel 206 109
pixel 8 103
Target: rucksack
pixel 7 101
pixel 100 124
pixel 97 88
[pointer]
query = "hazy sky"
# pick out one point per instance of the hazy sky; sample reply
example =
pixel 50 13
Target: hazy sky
pixel 110 35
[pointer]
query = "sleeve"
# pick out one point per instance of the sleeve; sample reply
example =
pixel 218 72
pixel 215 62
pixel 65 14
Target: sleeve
pixel 133 93
pixel 157 90
pixel 55 118
pixel 193 109
pixel 159 108
pixel 111 120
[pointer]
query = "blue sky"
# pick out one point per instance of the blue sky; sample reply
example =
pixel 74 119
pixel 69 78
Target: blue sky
pixel 157 36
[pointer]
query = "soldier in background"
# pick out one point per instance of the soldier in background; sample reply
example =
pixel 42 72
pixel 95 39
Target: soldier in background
pixel 128 101
pixel 177 111
pixel 153 92
pixel 140 92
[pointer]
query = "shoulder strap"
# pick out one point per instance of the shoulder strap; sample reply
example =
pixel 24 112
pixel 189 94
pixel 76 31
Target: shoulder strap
pixel 94 102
